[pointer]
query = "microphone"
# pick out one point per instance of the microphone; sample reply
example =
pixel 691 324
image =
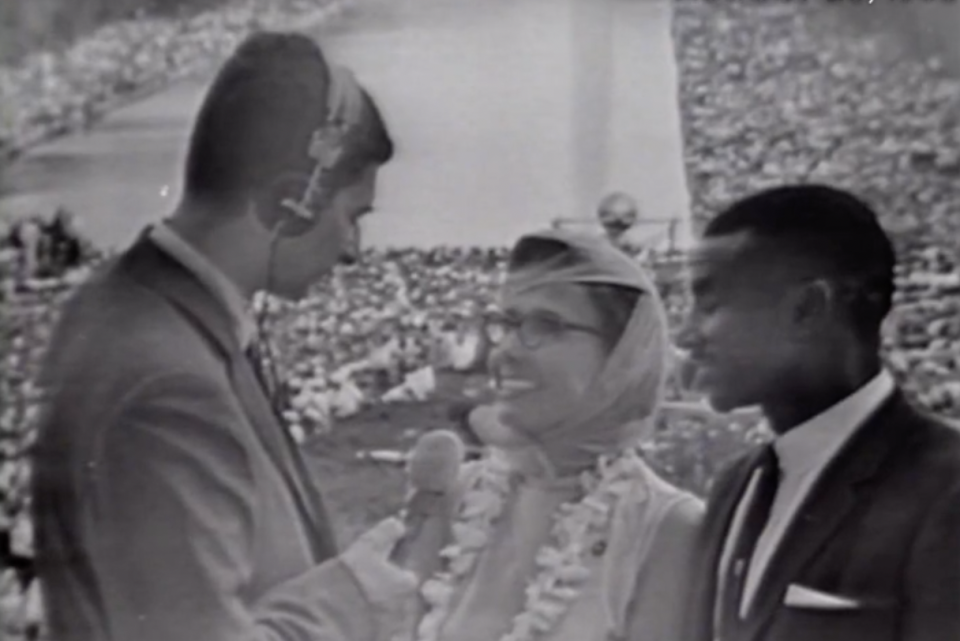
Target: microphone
pixel 434 464
pixel 433 470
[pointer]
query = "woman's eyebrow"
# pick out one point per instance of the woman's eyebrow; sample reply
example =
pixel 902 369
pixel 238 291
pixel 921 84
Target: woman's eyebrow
pixel 557 317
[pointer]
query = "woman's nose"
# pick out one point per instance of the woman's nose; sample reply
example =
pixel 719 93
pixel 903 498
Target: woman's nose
pixel 687 334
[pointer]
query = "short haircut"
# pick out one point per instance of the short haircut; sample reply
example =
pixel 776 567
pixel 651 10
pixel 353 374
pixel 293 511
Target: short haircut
pixel 831 230
pixel 257 119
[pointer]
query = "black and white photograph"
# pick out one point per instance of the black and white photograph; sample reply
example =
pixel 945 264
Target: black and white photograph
pixel 480 320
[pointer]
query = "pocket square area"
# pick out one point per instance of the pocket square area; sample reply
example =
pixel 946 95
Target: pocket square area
pixel 799 596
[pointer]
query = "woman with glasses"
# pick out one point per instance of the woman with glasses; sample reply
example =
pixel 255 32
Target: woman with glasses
pixel 562 531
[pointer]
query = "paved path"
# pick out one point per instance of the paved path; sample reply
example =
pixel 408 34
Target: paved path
pixel 507 113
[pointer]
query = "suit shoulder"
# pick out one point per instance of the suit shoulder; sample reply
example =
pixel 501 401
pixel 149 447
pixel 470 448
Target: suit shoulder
pixel 936 443
pixel 110 292
pixel 114 309
pixel 114 334
pixel 922 463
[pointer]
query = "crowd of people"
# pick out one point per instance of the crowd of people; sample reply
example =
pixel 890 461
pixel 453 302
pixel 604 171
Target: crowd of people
pixel 410 315
pixel 781 92
pixel 52 92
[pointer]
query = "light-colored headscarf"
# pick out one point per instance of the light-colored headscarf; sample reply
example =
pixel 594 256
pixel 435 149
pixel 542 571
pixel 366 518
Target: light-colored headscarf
pixel 618 409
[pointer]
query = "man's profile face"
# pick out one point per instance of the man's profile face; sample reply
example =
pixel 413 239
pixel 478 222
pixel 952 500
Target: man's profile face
pixel 333 239
pixel 737 332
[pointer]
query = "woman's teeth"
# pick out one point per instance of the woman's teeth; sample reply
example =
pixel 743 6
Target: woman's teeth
pixel 513 385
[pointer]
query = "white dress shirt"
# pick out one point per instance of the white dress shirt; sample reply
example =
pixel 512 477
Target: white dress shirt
pixel 804 453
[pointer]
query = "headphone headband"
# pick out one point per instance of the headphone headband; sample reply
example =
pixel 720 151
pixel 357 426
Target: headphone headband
pixel 327 144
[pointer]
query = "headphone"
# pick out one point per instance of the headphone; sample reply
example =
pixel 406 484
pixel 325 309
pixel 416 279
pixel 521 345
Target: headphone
pixel 284 207
pixel 288 205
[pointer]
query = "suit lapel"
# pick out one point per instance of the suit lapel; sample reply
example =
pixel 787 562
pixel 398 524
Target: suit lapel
pixel 830 500
pixel 722 504
pixel 283 452
pixel 812 528
pixel 152 267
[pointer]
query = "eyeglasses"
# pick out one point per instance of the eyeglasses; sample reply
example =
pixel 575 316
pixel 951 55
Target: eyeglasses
pixel 533 330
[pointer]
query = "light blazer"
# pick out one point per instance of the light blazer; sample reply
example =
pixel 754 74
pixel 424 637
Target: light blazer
pixel 874 553
pixel 169 505
pixel 638 580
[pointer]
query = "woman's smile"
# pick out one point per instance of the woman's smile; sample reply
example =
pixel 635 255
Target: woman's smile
pixel 509 387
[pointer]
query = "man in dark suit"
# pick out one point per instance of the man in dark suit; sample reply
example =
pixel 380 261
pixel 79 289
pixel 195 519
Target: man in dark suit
pixel 846 527
pixel 170 502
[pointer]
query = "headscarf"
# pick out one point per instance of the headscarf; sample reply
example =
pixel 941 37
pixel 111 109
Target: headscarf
pixel 618 409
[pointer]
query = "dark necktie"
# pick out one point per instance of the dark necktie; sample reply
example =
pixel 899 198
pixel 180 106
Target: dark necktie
pixel 755 519
pixel 260 355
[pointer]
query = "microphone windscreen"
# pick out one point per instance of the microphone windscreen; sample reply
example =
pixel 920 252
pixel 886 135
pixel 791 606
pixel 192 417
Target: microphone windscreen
pixel 434 464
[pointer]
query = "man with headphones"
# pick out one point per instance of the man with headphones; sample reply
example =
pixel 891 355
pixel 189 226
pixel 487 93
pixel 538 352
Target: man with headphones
pixel 170 503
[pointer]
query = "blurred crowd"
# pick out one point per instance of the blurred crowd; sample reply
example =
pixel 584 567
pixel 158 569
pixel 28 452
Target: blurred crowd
pixel 43 247
pixel 51 92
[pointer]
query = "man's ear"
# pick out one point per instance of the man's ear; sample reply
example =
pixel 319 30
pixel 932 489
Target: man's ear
pixel 281 207
pixel 811 306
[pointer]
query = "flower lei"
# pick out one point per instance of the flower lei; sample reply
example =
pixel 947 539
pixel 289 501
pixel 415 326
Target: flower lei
pixel 561 562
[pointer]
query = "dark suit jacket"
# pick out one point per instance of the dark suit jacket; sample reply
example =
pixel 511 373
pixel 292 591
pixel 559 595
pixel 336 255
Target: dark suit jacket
pixel 881 526
pixel 169 506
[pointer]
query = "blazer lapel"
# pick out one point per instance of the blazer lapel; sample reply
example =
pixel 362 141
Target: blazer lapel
pixel 722 505
pixel 152 267
pixel 828 503
pixel 284 453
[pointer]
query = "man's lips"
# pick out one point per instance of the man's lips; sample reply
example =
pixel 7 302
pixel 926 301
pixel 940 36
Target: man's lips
pixel 694 359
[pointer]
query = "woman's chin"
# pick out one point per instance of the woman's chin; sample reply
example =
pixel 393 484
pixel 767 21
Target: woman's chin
pixel 491 424
pixel 722 403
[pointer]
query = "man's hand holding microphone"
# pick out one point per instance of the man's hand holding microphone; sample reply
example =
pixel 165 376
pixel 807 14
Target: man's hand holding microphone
pixel 433 471
pixel 394 557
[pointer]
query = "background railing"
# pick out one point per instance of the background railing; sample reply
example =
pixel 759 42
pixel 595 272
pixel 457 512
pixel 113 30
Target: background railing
pixel 664 238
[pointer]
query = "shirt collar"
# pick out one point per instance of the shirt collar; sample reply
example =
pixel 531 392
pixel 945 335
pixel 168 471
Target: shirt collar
pixel 811 444
pixel 222 288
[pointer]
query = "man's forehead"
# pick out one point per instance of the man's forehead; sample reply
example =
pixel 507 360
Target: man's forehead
pixel 740 259
pixel 715 254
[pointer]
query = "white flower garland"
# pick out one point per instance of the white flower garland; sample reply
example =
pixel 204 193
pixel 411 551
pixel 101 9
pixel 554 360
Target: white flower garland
pixel 561 562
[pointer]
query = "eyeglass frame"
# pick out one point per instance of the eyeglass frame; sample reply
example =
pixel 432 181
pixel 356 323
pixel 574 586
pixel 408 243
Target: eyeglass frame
pixel 511 323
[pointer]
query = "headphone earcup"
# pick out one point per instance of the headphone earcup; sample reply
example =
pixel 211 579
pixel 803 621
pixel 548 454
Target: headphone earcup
pixel 277 211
